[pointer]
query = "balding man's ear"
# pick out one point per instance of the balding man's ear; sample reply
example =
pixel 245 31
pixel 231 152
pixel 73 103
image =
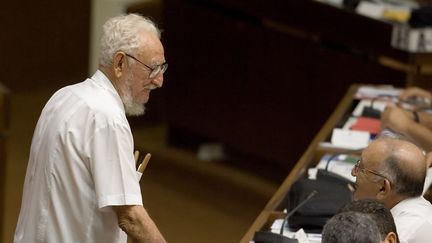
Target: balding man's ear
pixel 391 238
pixel 119 64
pixel 384 190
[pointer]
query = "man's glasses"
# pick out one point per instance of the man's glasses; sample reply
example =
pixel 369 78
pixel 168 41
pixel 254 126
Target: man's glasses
pixel 356 169
pixel 161 68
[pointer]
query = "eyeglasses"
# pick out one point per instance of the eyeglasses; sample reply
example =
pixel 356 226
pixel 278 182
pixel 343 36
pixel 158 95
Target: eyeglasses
pixel 356 169
pixel 161 68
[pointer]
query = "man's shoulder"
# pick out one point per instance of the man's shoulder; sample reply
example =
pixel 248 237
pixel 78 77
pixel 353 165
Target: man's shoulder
pixel 414 208
pixel 95 96
pixel 88 99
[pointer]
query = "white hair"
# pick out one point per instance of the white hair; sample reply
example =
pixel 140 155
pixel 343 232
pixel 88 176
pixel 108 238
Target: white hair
pixel 121 33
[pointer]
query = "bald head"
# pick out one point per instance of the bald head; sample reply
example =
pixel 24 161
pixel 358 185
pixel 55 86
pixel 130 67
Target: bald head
pixel 401 161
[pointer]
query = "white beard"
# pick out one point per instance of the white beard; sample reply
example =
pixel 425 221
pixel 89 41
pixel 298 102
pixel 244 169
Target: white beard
pixel 132 107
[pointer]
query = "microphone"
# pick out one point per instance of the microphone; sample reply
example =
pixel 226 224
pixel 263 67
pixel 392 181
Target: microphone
pixel 311 195
pixel 270 237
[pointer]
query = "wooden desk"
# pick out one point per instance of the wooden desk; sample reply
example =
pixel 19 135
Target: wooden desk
pixel 4 128
pixel 308 159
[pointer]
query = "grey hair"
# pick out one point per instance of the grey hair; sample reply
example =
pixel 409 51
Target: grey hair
pixel 405 182
pixel 351 227
pixel 121 33
pixel 377 210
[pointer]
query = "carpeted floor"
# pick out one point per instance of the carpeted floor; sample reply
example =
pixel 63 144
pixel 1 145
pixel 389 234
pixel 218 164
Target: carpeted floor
pixel 190 200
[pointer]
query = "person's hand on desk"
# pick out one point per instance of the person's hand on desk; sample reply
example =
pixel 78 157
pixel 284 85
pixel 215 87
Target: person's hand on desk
pixel 415 98
pixel 396 119
pixel 415 92
pixel 415 126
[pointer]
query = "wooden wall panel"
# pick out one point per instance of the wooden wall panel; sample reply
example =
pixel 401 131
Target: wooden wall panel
pixel 44 43
pixel 262 91
pixel 4 128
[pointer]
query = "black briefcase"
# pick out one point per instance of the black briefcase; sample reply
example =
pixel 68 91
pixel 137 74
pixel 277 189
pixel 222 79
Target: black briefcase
pixel 332 193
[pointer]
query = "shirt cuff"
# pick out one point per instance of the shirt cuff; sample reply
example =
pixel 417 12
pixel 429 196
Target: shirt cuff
pixel 119 200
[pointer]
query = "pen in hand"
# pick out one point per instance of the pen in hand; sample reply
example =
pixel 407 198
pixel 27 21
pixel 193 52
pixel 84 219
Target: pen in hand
pixel 144 163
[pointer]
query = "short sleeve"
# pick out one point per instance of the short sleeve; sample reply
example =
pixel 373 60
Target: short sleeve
pixel 113 167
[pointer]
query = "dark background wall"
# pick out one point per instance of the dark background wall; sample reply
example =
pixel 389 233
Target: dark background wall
pixel 232 78
pixel 43 43
pixel 262 78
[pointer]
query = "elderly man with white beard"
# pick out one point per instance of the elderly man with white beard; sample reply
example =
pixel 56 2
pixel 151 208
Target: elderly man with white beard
pixel 81 183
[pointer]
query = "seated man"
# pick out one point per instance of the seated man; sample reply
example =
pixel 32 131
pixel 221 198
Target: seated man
pixel 393 171
pixel 351 227
pixel 379 213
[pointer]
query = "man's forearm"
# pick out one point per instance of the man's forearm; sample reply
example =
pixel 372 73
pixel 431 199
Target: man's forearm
pixel 425 119
pixel 421 135
pixel 135 221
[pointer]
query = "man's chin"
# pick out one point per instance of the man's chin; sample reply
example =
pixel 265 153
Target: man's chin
pixel 135 110
pixel 133 107
pixel 355 196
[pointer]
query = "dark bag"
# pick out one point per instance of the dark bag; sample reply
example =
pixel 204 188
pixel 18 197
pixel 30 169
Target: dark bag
pixel 421 17
pixel 332 193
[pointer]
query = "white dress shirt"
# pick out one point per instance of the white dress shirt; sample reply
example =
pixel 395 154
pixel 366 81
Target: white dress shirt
pixel 413 219
pixel 81 163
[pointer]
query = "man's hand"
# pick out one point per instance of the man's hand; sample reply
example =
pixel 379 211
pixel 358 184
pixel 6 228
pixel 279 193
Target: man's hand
pixel 396 119
pixel 415 92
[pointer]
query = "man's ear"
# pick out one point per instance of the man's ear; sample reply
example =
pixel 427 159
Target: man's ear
pixel 384 190
pixel 119 64
pixel 391 238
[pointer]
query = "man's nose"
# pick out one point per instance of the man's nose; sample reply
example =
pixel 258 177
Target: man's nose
pixel 158 80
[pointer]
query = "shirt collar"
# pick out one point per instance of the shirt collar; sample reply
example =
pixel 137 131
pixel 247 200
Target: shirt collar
pixel 102 80
pixel 402 205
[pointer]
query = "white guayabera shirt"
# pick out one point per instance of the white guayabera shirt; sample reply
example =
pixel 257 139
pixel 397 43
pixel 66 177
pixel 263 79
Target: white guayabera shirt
pixel 413 219
pixel 81 163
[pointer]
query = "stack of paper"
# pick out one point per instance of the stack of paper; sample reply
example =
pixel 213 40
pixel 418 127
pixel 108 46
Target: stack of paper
pixel 340 164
